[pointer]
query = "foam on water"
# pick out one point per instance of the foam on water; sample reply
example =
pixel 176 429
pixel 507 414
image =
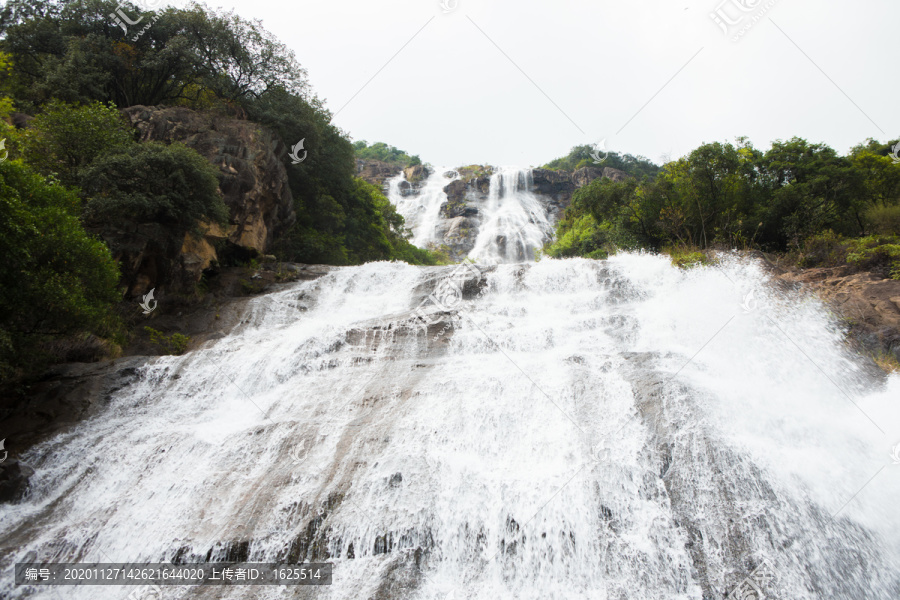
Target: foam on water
pixel 587 429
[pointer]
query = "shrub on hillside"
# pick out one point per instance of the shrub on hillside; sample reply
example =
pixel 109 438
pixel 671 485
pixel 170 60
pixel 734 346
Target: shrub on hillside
pixel 55 279
pixel 154 183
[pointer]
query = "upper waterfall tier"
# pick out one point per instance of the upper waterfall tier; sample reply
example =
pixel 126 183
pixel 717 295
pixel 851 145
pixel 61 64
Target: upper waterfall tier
pixel 489 214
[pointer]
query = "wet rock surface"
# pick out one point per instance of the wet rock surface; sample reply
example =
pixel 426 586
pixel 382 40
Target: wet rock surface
pixel 14 477
pixel 869 305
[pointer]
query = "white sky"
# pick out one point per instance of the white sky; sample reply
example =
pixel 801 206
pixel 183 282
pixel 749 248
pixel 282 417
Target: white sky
pixel 451 96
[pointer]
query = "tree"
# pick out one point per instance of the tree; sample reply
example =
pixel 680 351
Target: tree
pixel 74 51
pixel 55 280
pixel 154 183
pixel 65 138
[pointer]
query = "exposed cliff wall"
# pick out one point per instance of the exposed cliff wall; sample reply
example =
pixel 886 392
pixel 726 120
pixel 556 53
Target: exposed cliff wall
pixel 253 183
pixel 375 171
pixel 867 303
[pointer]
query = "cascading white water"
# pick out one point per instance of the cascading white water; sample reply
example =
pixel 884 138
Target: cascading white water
pixel 586 429
pixel 421 211
pixel 511 223
pixel 515 223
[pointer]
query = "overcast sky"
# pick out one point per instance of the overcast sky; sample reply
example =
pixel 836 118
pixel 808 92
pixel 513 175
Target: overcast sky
pixel 519 82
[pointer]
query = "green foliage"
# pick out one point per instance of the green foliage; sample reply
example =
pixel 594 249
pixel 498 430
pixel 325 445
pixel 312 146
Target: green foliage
pixel 826 249
pixel 739 197
pixel 65 138
pixel 366 227
pixel 154 183
pixel 175 343
pixel 384 153
pixel 884 220
pixel 471 172
pixel 55 280
pixel 582 238
pixel 686 258
pixel 74 51
pixel 877 253
pixel 582 156
pixel 203 59
pixel 880 254
pixel 251 287
pixel 600 219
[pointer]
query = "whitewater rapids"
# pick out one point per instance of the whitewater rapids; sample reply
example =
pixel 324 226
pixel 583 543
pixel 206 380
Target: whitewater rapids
pixel 566 429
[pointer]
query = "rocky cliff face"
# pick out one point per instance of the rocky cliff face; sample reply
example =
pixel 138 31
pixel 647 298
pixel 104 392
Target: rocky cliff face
pixel 253 182
pixel 375 171
pixel 867 303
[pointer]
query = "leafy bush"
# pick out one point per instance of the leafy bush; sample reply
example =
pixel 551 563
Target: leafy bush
pixel 880 254
pixel 65 138
pixel 884 220
pixel 154 183
pixel 685 258
pixel 735 195
pixel 877 253
pixel 583 238
pixel 175 343
pixel 583 156
pixel 385 153
pixel 365 227
pixel 74 51
pixel 55 280
pixel 824 250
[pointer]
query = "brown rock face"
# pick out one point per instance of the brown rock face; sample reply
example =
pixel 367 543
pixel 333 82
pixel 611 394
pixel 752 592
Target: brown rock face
pixel 585 175
pixel 375 171
pixel 869 304
pixel 416 174
pixel 560 185
pixel 253 182
pixel 456 201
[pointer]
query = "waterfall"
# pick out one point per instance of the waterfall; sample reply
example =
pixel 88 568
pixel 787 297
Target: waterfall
pixel 511 221
pixel 515 222
pixel 566 429
pixel 421 209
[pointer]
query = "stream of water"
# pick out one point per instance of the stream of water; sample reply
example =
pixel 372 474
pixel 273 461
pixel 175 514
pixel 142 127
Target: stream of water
pixel 568 429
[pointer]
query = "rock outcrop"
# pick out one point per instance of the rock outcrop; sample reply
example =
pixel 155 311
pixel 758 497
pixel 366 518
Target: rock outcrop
pixel 375 171
pixel 559 186
pixel 14 479
pixel 868 304
pixel 253 183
